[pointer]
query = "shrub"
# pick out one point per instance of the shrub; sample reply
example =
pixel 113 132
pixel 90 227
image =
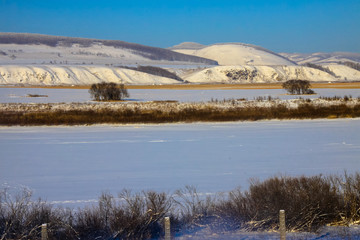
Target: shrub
pixel 298 87
pixel 108 91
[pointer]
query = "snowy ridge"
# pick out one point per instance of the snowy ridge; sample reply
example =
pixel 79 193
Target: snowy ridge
pixel 25 48
pixel 268 74
pixel 76 75
pixel 237 54
pixel 322 58
pixel 84 75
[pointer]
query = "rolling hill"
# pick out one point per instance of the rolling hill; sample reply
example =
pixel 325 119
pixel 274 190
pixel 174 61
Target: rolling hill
pixel 233 54
pixel 25 48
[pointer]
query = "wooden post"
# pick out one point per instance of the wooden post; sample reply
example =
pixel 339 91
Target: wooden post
pixel 167 229
pixel 44 234
pixel 282 225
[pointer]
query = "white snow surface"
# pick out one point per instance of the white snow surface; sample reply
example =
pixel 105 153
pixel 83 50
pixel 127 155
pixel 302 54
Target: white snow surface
pixel 85 75
pixel 269 74
pixel 322 58
pixel 19 95
pixel 75 75
pixel 237 54
pixel 73 165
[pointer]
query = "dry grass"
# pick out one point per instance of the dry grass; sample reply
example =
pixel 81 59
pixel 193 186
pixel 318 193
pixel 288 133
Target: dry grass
pixel 310 203
pixel 172 112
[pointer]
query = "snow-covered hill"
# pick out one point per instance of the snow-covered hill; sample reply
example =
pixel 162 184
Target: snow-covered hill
pixel 35 59
pixel 76 75
pixel 268 74
pixel 22 48
pixel 85 75
pixel 322 58
pixel 234 54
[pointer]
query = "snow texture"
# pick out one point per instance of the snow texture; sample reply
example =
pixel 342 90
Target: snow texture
pixel 73 165
pixel 235 54
pixel 19 95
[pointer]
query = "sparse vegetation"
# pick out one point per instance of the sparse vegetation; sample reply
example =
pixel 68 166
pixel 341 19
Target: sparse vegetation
pixel 310 203
pixel 108 91
pixel 241 75
pixel 170 111
pixel 298 87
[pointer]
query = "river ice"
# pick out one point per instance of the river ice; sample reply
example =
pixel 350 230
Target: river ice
pixel 18 95
pixel 73 165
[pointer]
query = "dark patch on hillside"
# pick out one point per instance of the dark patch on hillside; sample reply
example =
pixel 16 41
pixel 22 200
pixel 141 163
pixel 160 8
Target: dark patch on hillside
pixel 156 71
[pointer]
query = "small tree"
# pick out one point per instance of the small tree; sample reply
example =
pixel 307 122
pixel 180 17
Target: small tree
pixel 108 91
pixel 298 87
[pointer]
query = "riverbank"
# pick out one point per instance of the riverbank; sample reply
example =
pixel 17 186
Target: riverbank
pixel 172 111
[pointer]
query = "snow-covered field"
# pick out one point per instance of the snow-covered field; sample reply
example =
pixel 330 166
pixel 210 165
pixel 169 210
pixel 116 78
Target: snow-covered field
pixel 71 166
pixel 18 95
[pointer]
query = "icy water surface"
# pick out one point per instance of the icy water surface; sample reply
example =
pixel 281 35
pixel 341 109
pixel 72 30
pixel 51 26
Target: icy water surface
pixel 75 164
pixel 18 95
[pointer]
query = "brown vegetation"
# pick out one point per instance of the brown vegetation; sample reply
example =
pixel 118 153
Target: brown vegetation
pixel 171 112
pixel 310 203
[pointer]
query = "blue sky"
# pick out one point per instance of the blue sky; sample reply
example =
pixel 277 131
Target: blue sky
pixel 281 26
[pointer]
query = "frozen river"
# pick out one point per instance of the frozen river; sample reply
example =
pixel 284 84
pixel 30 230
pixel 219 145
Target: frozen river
pixel 18 95
pixel 75 164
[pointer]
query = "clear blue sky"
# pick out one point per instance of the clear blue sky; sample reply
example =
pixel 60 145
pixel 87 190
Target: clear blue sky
pixel 281 26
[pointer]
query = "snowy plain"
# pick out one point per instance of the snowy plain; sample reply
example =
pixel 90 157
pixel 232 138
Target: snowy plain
pixel 19 95
pixel 71 166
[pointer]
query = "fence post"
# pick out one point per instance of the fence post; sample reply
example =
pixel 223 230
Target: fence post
pixel 282 225
pixel 44 234
pixel 167 229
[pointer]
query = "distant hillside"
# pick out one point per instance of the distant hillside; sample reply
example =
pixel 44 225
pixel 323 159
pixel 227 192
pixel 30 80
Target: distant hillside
pixel 234 54
pixel 188 45
pixel 61 43
pixel 322 58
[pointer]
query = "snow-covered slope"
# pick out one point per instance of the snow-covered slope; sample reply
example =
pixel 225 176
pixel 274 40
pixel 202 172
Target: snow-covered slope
pixel 76 75
pixel 322 58
pixel 235 54
pixel 263 74
pixel 345 72
pixel 21 48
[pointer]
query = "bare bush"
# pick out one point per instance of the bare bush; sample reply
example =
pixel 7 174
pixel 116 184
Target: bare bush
pixel 108 91
pixel 309 202
pixel 298 87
